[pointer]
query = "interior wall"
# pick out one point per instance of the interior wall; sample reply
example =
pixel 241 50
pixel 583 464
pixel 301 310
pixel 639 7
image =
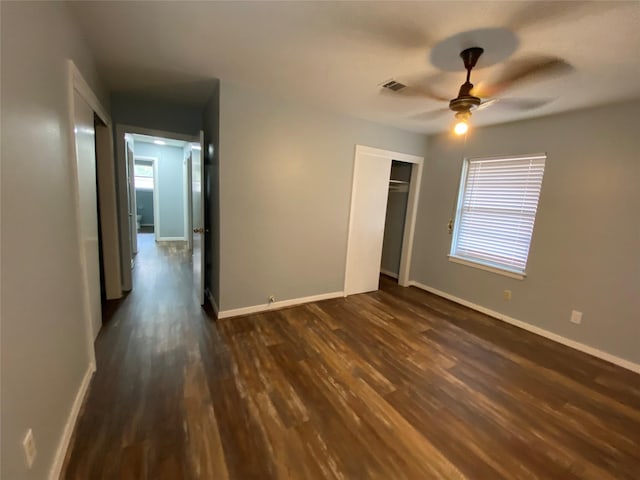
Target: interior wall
pixel 211 193
pixel 285 187
pixel 170 185
pixel 394 220
pixel 584 253
pixel 135 109
pixel 44 350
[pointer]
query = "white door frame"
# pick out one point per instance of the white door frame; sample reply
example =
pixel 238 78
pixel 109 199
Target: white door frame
pixel 77 84
pixel 156 188
pixel 186 175
pixel 125 229
pixel 412 207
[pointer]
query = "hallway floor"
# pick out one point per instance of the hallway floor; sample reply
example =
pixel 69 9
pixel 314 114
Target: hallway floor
pixel 395 384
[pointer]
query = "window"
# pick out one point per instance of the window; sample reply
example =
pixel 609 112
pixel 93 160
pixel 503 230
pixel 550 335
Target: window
pixel 143 175
pixel 496 212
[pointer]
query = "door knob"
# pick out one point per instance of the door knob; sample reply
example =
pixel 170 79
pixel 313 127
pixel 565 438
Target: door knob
pixel 199 230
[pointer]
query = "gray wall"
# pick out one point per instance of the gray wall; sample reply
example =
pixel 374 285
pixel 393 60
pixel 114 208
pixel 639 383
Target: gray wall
pixel 285 186
pixel 44 349
pixel 140 111
pixel 170 185
pixel 394 220
pixel 144 204
pixel 585 251
pixel 211 189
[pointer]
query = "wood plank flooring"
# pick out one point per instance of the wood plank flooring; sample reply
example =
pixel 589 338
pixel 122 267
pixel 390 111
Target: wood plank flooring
pixel 396 384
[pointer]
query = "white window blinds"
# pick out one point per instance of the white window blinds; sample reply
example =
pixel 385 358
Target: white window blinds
pixel 497 209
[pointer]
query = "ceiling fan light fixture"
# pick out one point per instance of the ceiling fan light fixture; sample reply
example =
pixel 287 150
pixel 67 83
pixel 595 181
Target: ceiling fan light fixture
pixel 462 125
pixel 461 128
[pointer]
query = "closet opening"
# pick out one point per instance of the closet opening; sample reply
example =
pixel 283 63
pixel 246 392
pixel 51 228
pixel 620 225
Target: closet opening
pixel 395 218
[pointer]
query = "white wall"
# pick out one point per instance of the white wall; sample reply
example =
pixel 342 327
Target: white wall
pixel 170 182
pixel 44 352
pixel 585 252
pixel 285 186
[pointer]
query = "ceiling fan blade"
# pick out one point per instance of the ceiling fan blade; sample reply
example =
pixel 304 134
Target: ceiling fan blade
pixel 430 115
pixel 415 91
pixel 530 14
pixel 486 104
pixel 524 103
pixel 360 20
pixel 521 71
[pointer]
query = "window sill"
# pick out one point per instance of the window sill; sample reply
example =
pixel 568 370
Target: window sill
pixel 488 268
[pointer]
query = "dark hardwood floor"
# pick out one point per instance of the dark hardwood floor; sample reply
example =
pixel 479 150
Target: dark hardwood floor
pixel 396 384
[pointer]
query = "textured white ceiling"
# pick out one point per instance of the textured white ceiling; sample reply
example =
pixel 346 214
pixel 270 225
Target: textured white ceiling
pixel 336 54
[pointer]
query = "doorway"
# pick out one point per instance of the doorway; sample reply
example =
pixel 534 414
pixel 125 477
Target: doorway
pixel 162 196
pixel 395 218
pixel 94 189
pixel 372 175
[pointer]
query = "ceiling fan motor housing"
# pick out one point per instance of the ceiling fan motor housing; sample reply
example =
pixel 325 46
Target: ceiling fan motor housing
pixel 464 101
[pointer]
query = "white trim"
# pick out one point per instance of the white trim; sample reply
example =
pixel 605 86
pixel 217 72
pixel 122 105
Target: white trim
pixel 63 444
pixel 410 226
pixel 77 83
pixel 608 357
pixel 159 133
pixel 85 91
pixel 389 273
pixel 121 130
pixel 171 239
pixel 410 215
pixel 186 175
pixel 378 152
pixel 488 268
pixel 277 305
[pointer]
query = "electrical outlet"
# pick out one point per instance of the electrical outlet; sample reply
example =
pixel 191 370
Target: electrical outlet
pixel 506 294
pixel 576 317
pixel 29 447
pixel 272 298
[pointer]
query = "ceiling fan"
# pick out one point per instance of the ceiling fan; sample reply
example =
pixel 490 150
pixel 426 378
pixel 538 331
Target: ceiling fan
pixel 471 98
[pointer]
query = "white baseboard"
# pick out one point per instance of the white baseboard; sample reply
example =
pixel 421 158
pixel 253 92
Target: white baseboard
pixel 389 273
pixel 621 362
pixel 171 239
pixel 276 305
pixel 63 445
pixel 213 302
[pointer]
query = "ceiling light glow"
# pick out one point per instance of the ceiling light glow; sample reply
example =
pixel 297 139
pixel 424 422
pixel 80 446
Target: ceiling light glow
pixel 461 128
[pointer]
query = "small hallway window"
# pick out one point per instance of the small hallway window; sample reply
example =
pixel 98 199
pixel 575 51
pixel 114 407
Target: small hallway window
pixel 143 173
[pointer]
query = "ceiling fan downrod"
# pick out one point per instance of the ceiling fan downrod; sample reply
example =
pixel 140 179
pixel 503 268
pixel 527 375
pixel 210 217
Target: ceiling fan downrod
pixel 464 102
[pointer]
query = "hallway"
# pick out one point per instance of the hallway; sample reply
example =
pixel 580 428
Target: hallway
pixel 395 384
pixel 147 363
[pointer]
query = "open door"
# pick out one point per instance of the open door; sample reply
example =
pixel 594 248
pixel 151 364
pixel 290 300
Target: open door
pixel 366 222
pixel 131 197
pixel 197 212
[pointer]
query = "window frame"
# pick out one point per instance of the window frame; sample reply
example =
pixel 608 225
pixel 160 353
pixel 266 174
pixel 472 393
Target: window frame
pixel 477 262
pixel 147 162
